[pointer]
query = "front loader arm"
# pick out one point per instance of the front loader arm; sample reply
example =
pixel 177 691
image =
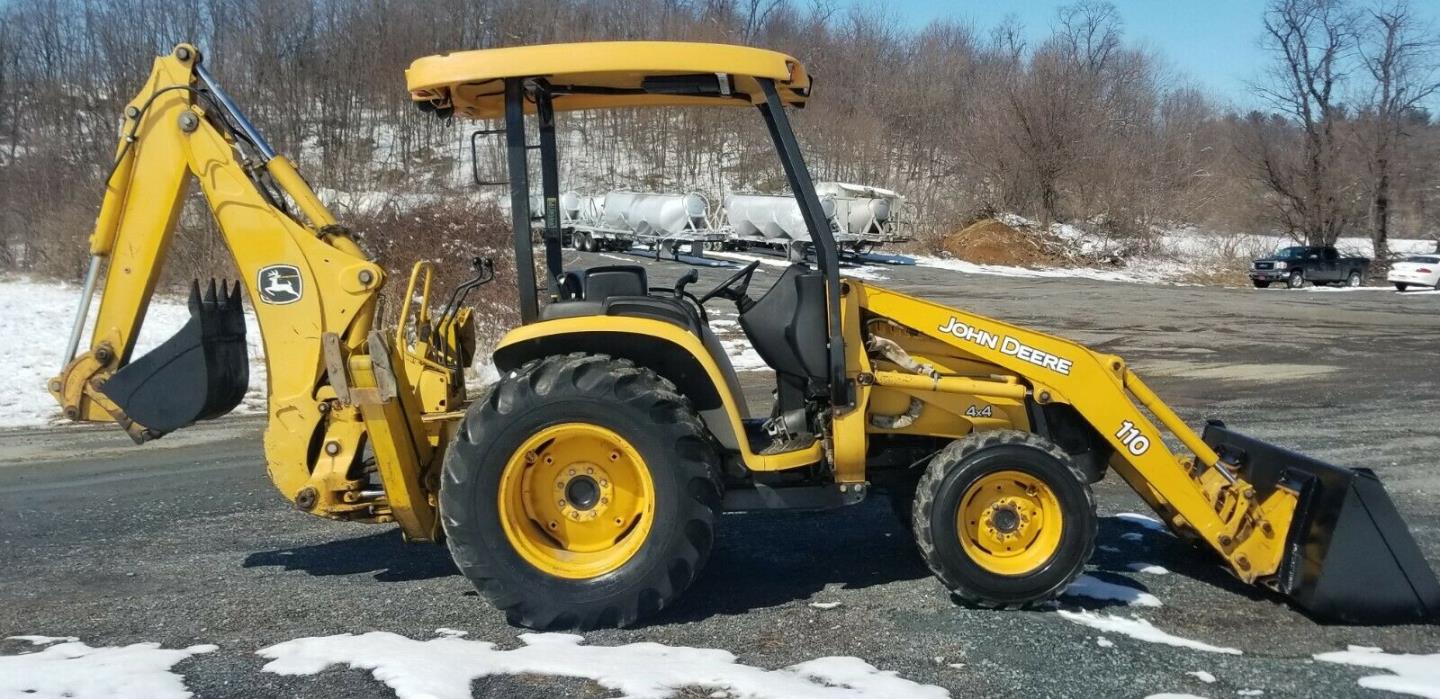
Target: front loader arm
pixel 312 289
pixel 1196 494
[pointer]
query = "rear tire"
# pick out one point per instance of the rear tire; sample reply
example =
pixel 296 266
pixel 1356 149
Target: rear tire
pixel 545 579
pixel 1401 287
pixel 1295 280
pixel 1024 488
pixel 1353 279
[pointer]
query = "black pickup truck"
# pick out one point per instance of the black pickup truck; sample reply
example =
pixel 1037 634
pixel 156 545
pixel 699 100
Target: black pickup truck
pixel 1317 264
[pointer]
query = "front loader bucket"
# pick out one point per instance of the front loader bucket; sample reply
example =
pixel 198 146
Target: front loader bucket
pixel 1348 556
pixel 200 373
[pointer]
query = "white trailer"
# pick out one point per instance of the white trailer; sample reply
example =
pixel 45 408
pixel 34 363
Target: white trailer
pixel 669 225
pixel 860 218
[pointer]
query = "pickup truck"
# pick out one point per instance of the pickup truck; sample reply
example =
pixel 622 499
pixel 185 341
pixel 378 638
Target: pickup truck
pixel 1317 264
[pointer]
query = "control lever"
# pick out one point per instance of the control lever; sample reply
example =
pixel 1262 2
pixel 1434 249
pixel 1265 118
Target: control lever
pixel 685 280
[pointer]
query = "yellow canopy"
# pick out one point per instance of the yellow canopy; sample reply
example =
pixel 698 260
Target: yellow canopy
pixel 604 75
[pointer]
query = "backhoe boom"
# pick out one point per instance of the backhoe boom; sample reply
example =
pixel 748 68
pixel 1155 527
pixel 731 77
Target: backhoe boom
pixel 312 288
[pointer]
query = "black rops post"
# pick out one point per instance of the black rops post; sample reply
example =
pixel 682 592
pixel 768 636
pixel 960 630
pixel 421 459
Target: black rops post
pixel 519 167
pixel 549 185
pixel 828 258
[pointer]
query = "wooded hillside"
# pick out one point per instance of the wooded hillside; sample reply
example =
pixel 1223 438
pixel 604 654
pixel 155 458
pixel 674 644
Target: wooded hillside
pixel 1085 126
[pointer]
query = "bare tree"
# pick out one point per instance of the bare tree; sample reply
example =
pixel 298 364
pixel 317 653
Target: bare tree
pixel 1399 54
pixel 1311 41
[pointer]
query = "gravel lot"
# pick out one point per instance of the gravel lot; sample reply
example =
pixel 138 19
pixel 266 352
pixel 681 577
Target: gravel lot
pixel 184 541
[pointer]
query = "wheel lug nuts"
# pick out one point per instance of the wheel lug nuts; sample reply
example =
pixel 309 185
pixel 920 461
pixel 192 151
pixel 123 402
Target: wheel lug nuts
pixel 590 471
pixel 561 503
pixel 530 457
pixel 572 471
pixel 604 501
pixel 604 483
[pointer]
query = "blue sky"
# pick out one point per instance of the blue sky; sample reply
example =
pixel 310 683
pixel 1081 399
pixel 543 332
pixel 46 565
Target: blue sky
pixel 1214 42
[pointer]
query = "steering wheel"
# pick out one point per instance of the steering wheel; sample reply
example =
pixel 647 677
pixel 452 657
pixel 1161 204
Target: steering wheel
pixel 735 287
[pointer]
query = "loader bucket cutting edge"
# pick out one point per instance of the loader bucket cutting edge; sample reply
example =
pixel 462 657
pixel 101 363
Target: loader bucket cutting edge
pixel 1349 557
pixel 200 373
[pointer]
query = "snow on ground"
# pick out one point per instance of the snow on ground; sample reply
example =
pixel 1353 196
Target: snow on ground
pixel 1412 674
pixel 1094 588
pixel 1202 675
pixel 1166 272
pixel 1138 629
pixel 69 668
pixel 1147 568
pixel 1174 255
pixel 35 323
pixel 742 355
pixel 1145 521
pixel 445 667
pixel 1170 695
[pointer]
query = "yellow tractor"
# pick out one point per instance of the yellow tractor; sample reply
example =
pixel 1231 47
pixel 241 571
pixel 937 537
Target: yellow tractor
pixel 584 488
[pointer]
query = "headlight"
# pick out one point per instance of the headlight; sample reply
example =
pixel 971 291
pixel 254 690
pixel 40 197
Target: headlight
pixel 1281 265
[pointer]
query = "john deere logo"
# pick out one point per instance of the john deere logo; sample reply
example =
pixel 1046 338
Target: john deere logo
pixel 280 284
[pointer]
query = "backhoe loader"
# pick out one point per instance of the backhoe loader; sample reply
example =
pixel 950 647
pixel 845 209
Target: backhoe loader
pixel 583 489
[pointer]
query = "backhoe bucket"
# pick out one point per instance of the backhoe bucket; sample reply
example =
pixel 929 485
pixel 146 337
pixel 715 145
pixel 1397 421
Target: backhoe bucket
pixel 200 373
pixel 1348 556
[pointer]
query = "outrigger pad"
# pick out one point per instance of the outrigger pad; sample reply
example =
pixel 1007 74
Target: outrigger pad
pixel 1349 557
pixel 199 374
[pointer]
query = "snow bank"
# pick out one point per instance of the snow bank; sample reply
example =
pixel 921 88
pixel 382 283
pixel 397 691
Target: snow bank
pixel 1413 674
pixel 1150 273
pixel 1095 588
pixel 1139 629
pixel 69 668
pixel 1173 255
pixel 443 668
pixel 35 323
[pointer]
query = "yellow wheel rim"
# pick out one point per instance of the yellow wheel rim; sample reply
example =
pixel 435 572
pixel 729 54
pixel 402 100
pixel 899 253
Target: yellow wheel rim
pixel 576 500
pixel 1009 523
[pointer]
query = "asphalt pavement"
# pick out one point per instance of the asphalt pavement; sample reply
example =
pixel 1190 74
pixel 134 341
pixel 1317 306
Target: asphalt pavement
pixel 184 541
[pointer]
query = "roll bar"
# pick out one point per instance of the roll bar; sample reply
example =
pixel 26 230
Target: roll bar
pixel 772 109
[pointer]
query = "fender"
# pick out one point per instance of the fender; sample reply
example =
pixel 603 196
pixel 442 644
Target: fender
pixel 671 351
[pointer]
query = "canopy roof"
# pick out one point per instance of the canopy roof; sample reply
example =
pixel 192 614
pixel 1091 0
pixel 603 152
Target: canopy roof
pixel 608 74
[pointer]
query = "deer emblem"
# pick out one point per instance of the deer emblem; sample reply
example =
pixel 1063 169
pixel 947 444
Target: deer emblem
pixel 280 284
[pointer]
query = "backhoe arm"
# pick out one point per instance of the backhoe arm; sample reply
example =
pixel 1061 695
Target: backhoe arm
pixel 312 289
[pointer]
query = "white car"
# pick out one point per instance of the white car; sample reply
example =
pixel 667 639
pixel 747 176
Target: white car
pixel 1416 270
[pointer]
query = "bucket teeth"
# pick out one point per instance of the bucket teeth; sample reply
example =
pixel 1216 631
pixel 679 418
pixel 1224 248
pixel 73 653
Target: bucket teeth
pixel 200 373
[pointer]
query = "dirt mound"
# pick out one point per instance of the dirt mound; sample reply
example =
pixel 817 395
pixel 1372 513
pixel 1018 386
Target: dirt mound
pixel 992 242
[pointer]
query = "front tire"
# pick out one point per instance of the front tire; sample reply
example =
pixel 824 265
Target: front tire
pixel 1259 284
pixel 581 493
pixel 1295 280
pixel 1401 287
pixel 1004 519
